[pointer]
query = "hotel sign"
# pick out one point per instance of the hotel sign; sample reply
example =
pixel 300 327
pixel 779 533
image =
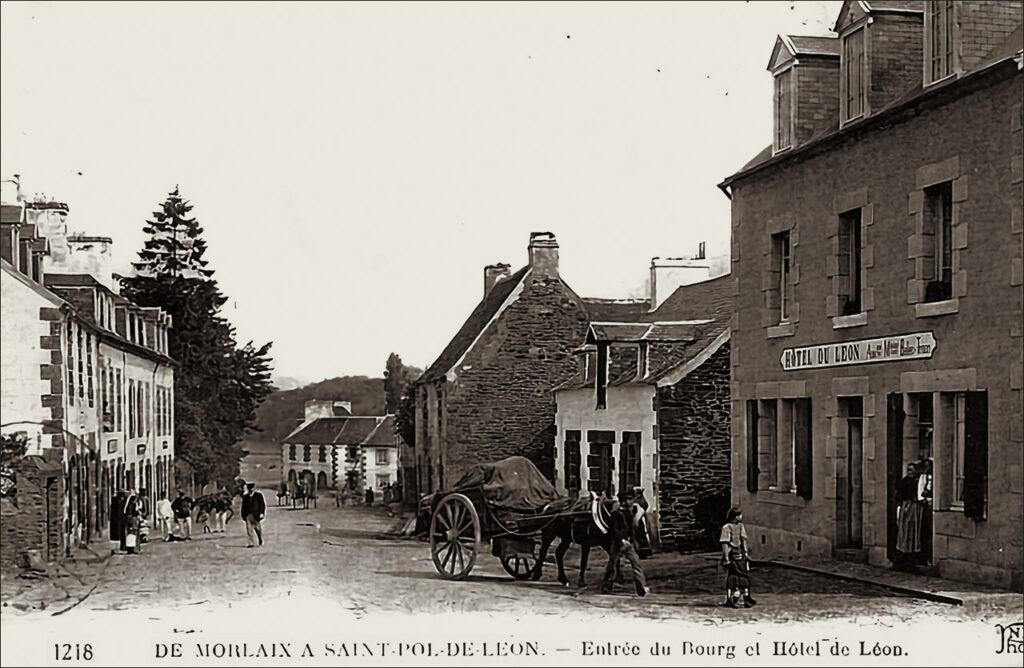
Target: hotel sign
pixel 896 348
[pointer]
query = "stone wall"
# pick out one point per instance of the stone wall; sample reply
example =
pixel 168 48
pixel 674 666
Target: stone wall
pixel 501 401
pixel 694 446
pixel 33 519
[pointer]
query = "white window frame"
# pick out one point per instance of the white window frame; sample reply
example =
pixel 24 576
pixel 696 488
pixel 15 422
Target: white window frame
pixel 776 108
pixel 382 454
pixel 948 32
pixel 785 270
pixel 862 32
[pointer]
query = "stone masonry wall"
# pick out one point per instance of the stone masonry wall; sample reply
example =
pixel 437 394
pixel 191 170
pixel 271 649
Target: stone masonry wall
pixel 40 496
pixel 694 447
pixel 501 402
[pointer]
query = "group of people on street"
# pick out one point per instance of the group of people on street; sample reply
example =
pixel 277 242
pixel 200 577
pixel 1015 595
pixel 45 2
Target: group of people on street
pixel 130 513
pixel 913 496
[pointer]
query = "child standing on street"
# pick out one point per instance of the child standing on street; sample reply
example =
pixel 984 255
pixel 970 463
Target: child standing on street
pixel 736 560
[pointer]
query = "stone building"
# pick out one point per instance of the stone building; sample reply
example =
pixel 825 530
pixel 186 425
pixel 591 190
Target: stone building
pixel 649 408
pixel 332 449
pixel 877 256
pixel 488 394
pixel 79 362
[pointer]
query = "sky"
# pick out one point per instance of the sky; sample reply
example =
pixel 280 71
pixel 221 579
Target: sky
pixel 355 166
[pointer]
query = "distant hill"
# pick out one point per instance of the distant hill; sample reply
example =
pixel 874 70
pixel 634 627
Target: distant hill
pixel 282 411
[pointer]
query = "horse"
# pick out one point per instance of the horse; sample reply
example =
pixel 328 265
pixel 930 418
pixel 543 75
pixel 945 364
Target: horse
pixel 586 532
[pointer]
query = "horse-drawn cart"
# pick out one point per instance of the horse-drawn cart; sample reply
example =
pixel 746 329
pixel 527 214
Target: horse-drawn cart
pixel 508 503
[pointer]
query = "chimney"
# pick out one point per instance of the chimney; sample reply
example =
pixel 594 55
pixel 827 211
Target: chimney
pixel 670 273
pixel 89 255
pixel 805 101
pixel 494 273
pixel 318 408
pixel 543 252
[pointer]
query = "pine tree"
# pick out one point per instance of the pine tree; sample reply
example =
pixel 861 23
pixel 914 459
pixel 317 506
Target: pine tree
pixel 218 385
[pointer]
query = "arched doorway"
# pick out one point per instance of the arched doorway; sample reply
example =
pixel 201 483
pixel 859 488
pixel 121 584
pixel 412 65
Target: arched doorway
pixel 321 480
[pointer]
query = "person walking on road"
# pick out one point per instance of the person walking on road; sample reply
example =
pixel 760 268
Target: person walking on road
pixel 736 560
pixel 254 509
pixel 182 507
pixel 164 513
pixel 623 543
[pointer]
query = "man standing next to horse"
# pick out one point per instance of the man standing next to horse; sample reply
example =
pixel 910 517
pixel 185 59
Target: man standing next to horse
pixel 623 544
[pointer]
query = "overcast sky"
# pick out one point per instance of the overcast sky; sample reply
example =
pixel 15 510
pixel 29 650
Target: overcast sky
pixel 356 166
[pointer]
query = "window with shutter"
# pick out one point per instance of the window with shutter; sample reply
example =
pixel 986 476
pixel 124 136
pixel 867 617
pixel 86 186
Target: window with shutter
pixel 571 460
pixel 752 431
pixel 600 462
pixel 975 455
pixel 629 461
pixel 804 446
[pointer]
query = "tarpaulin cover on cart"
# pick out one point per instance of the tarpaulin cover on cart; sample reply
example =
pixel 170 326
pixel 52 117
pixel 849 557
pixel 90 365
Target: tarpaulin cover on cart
pixel 511 483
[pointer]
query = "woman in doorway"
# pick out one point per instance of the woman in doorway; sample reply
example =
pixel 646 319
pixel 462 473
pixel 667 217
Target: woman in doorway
pixel 909 514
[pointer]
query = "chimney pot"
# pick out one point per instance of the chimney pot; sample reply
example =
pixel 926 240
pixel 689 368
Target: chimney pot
pixel 494 273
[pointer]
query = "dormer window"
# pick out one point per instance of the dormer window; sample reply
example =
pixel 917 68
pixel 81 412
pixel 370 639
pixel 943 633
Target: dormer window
pixel 940 38
pixel 784 110
pixel 854 75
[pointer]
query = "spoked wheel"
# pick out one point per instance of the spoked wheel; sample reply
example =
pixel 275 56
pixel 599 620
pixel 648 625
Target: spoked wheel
pixel 454 536
pixel 521 568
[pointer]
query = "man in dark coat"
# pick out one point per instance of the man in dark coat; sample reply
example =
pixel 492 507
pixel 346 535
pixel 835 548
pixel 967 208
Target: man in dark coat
pixel 623 544
pixel 182 507
pixel 254 509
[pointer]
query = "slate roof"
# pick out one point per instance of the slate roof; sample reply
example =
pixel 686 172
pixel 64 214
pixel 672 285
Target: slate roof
pixel 678 331
pixel 11 213
pixel 615 310
pixel 814 45
pixel 334 431
pixel 383 434
pixel 1009 49
pixel 474 325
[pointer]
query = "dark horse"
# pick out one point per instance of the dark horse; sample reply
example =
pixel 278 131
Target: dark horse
pixel 575 528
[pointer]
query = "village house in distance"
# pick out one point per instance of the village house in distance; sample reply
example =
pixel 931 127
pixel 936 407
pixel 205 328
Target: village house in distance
pixel 86 378
pixel 877 258
pixel 333 449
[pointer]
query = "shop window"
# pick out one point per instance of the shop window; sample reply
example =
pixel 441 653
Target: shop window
pixel 969 454
pixel 571 460
pixel 850 267
pixel 629 461
pixel 938 224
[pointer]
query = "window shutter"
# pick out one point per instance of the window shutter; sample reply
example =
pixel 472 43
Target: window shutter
pixel 752 454
pixel 804 449
pixel 976 455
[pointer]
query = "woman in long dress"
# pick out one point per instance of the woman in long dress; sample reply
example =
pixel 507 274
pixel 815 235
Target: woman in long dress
pixel 909 514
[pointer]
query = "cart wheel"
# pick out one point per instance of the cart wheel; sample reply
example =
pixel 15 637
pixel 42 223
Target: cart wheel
pixel 521 568
pixel 454 536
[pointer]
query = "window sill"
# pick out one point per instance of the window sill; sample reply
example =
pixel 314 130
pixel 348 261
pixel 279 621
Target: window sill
pixel 777 498
pixel 780 330
pixel 935 309
pixel 855 320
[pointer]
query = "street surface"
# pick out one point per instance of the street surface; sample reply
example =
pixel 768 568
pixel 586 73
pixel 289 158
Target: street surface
pixel 347 556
